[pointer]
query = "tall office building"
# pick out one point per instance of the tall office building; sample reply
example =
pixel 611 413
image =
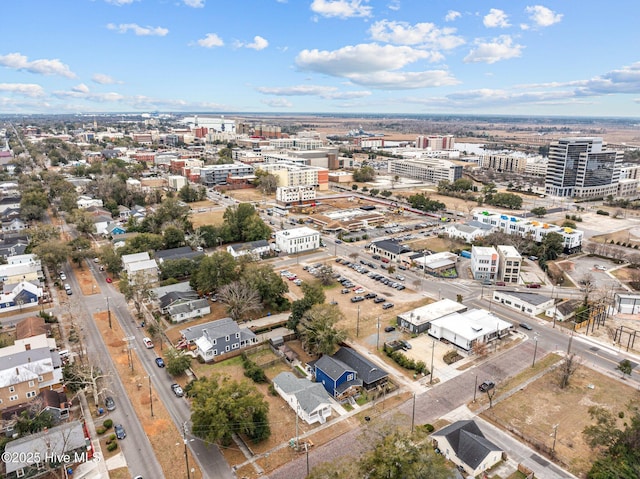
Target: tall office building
pixel 582 168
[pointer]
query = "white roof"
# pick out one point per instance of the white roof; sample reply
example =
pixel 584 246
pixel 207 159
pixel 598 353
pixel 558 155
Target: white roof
pixel 135 257
pixel 143 265
pixel 297 232
pixel 432 311
pixel 483 250
pixel 471 324
pixel 508 250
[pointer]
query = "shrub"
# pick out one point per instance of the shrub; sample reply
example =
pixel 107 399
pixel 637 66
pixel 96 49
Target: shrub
pixel 428 427
pixel 108 423
pixel 112 437
pixel 101 430
pixel 112 446
pixel 621 414
pixel 272 390
pixel 253 371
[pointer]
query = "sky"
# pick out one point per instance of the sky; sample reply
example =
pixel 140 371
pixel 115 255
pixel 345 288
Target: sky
pixel 560 57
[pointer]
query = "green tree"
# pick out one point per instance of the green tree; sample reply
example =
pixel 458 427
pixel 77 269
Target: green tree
pixel 539 211
pixel 552 246
pixel 214 271
pixel 269 285
pixel 177 361
pixel 221 407
pixel 33 205
pixel 53 254
pixel 364 174
pixel 317 329
pixel 179 268
pixel 137 289
pixel 625 367
pixel 173 237
pixel 605 432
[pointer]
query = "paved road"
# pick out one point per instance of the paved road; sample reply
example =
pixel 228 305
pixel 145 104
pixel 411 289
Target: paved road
pixel 209 458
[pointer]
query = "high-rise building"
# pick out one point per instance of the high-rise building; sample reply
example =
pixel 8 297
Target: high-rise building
pixel 582 168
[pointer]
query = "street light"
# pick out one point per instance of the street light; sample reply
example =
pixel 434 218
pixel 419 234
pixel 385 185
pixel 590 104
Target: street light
pixel 535 351
pixel 378 335
pixel 433 347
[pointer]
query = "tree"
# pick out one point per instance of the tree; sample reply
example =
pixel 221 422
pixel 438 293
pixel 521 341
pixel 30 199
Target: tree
pixel 568 366
pixel 240 298
pixel 539 211
pixel 325 275
pixel 313 294
pixel 82 377
pixel 222 407
pixel 317 329
pixel 173 237
pixel 214 271
pixel 364 174
pixel 394 453
pixel 53 254
pixel 552 246
pixel 625 367
pixel 177 361
pixel 137 289
pixel 604 432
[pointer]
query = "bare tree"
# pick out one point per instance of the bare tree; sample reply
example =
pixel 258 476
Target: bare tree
pixel 480 349
pixel 590 247
pixel 85 377
pixel 240 298
pixel 567 368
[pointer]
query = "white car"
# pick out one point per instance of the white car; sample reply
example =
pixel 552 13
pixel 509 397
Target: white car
pixel 147 342
pixel 63 276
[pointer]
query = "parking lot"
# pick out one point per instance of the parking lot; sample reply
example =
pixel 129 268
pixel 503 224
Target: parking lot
pixel 593 268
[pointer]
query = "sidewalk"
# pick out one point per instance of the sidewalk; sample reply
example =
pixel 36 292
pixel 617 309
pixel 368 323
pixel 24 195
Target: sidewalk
pixel 97 468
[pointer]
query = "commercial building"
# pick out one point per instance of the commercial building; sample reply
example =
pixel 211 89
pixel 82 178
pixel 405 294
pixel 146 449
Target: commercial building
pixel 582 168
pixel 528 303
pixel 291 174
pixel 509 263
pixel 213 175
pixel 504 163
pixel 436 142
pixel 431 170
pixel 418 320
pixel 484 263
pixel 295 194
pixel 297 240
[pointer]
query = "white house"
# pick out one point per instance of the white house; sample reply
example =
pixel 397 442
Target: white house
pixel 216 338
pixel 85 202
pixel 310 400
pixel 468 327
pixel 255 248
pixel 297 240
pixel 528 303
pixel 418 320
pixel 464 444
pixel 139 266
pixel 467 232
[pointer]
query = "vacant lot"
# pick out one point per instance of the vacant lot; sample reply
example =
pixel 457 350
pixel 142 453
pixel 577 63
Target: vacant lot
pixel 207 218
pixel 533 412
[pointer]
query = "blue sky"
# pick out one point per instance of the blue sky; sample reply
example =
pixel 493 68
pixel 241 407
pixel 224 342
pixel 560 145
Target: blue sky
pixel 567 58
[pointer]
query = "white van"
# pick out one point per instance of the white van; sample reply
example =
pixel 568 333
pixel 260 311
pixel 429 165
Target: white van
pixel 67 288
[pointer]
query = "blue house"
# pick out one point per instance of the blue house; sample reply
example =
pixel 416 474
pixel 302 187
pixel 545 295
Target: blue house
pixel 115 229
pixel 337 378
pixel 346 372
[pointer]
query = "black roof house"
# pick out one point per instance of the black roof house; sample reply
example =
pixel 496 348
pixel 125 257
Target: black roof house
pixel 468 442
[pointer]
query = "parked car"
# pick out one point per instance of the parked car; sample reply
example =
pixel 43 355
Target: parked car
pixel 345 291
pixel 120 432
pixel 388 329
pixel 376 256
pixel 63 276
pixel 486 386
pixel 405 344
pixel 379 299
pixel 357 299
pixel 500 283
pixel 370 295
pixel 109 403
pixel 338 241
pixel 109 280
pixel 297 282
pixel 525 326
pixel 533 285
pixel 387 305
pixel 160 362
pixel 359 290
pixel 177 390
pixel 147 343
pixel 399 277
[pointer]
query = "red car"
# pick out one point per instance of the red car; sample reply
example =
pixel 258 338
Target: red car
pixel 109 280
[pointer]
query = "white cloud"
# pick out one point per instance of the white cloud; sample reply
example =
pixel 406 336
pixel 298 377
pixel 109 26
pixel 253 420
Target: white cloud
pixel 258 43
pixel 103 79
pixel 341 8
pixel 500 48
pixel 328 92
pixel 404 80
pixel 277 102
pixel 394 5
pixel 425 34
pixel 362 58
pixel 452 15
pixel 119 3
pixel 108 97
pixel 542 16
pixel 81 88
pixel 26 89
pixel 211 40
pixel 194 3
pixel 18 61
pixel 496 19
pixel 138 30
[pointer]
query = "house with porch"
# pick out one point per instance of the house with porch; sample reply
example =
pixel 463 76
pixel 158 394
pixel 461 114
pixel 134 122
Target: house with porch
pixel 222 337
pixel 309 400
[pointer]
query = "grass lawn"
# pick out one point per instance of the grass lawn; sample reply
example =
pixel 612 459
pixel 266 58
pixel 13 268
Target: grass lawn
pixel 533 412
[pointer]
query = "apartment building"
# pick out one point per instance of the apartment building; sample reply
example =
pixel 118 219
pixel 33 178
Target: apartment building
pixel 582 168
pixel 509 263
pixel 296 143
pixel 213 175
pixel 290 174
pixel 432 170
pixel 536 230
pixel 447 142
pixel 297 240
pixel 295 194
pixel 503 163
pixel 484 263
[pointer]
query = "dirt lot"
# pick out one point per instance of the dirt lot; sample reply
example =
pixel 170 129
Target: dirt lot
pixel 207 218
pixel 532 416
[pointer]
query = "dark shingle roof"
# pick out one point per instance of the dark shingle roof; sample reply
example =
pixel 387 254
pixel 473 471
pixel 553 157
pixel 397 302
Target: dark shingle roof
pixel 392 246
pixel 367 371
pixel 468 442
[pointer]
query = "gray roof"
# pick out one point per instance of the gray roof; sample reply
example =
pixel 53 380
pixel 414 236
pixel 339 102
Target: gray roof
pixel 309 395
pixel 392 246
pixel 334 368
pixel 188 306
pixel 55 441
pixel 531 298
pixel 569 306
pixel 170 298
pixel 250 246
pixel 367 371
pixel 177 287
pixel 25 365
pixel 218 330
pixel 176 253
pixel 468 442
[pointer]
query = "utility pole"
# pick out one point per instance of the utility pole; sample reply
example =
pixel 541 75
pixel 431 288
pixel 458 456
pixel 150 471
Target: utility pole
pixel 358 323
pixel 186 454
pixel 109 313
pixel 378 335
pixel 433 347
pixel 150 397
pixel 555 435
pixel 535 350
pixel 475 388
pixel 413 413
